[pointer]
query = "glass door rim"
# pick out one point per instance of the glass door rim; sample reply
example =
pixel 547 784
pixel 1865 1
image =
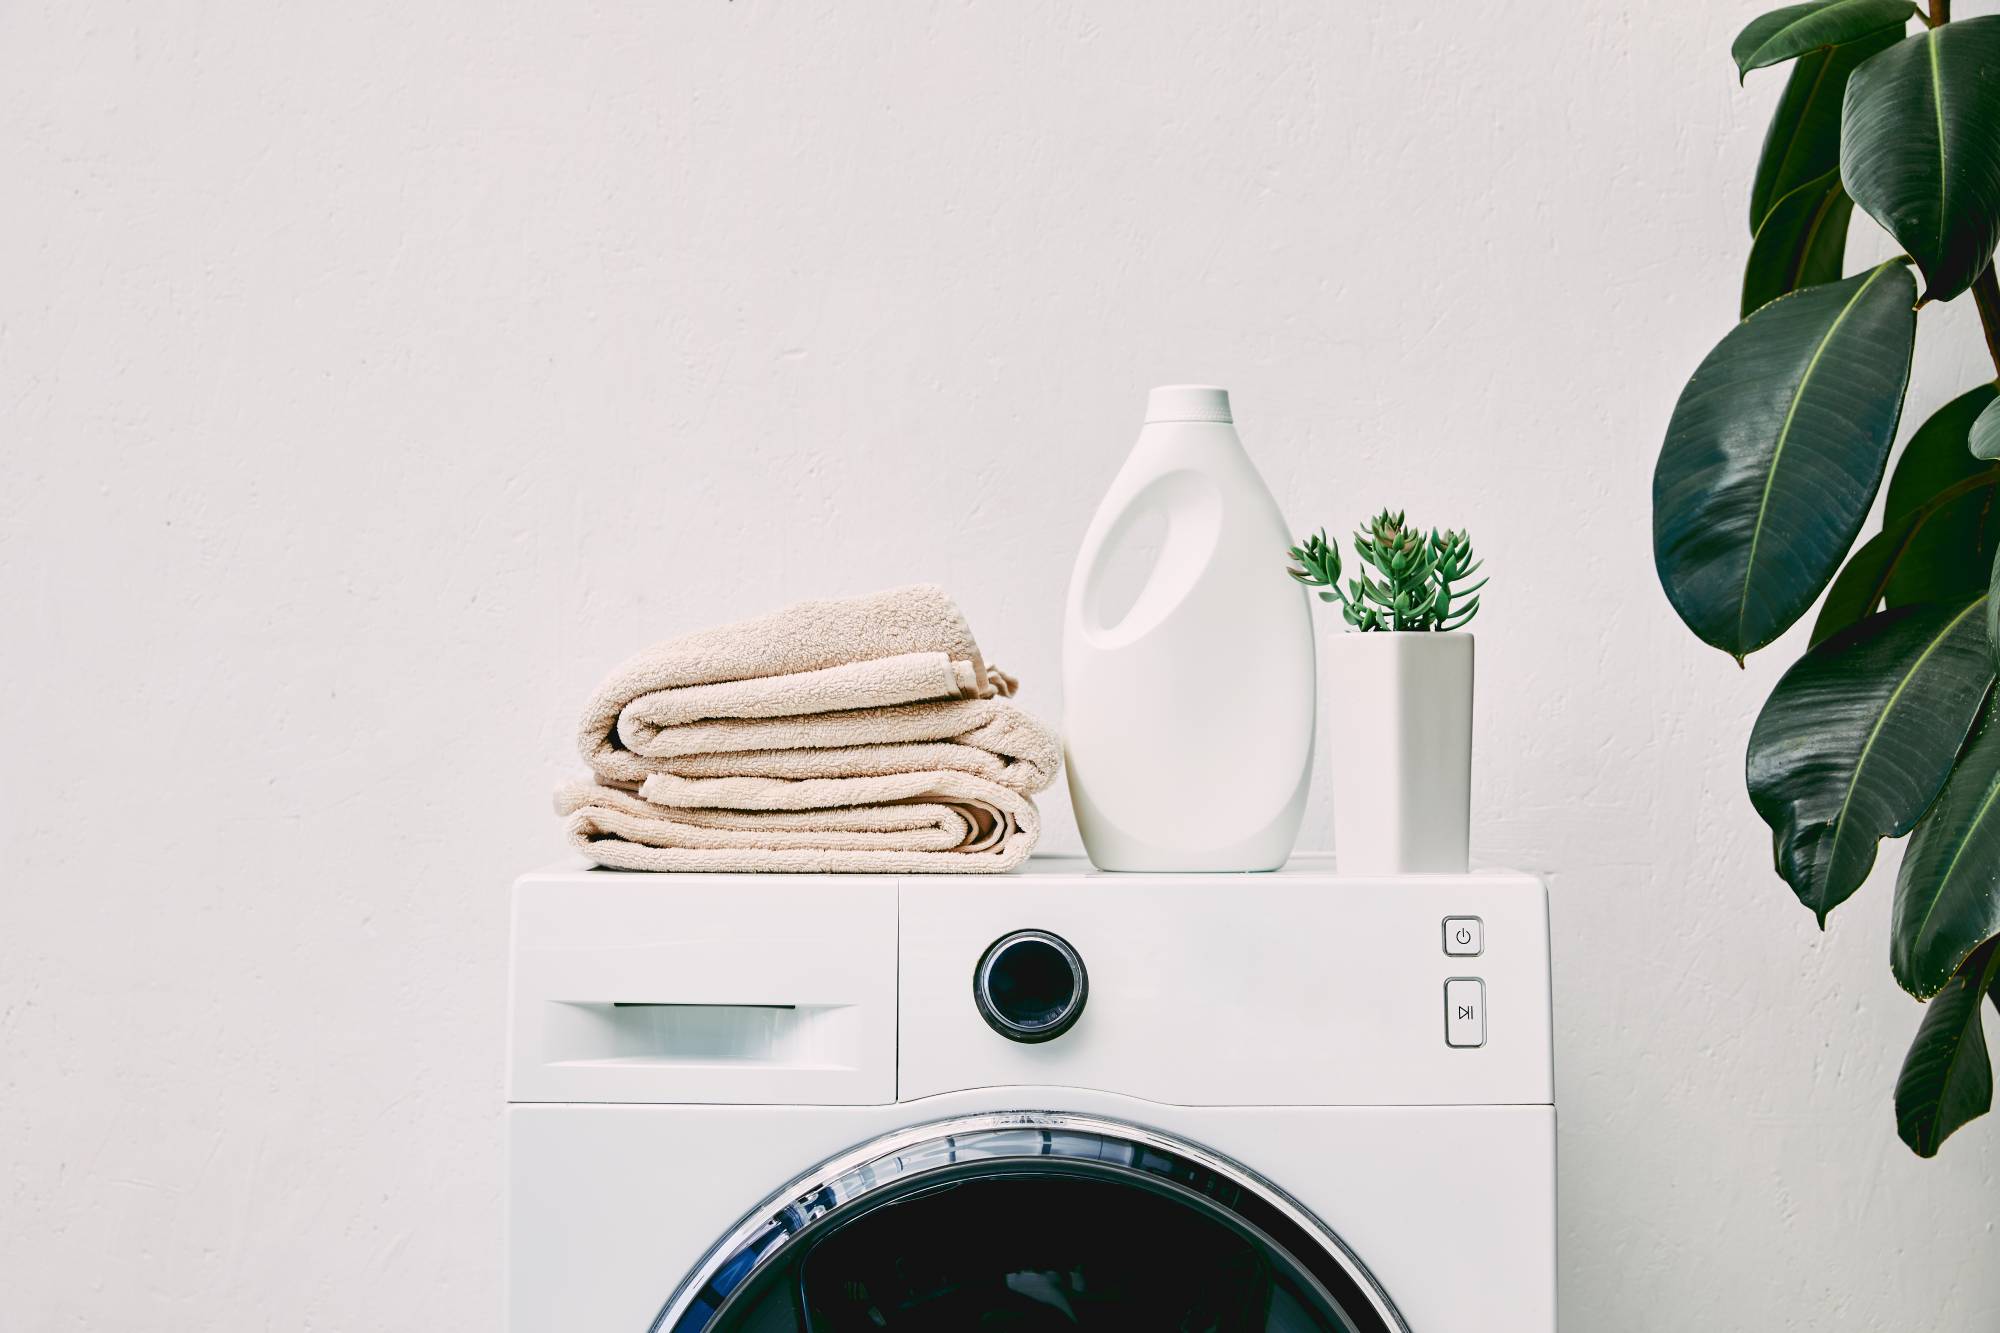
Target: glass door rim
pixel 876 1164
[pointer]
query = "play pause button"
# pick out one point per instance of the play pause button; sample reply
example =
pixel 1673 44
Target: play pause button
pixel 1465 1012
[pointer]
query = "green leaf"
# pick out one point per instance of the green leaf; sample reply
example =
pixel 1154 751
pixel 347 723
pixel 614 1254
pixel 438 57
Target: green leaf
pixel 1984 437
pixel 1857 590
pixel 1775 451
pixel 1993 612
pixel 1803 140
pixel 1802 243
pixel 1947 1078
pixel 1920 148
pixel 1940 529
pixel 1788 33
pixel 1948 891
pixel 1858 737
pixel 1936 455
pixel 1947 556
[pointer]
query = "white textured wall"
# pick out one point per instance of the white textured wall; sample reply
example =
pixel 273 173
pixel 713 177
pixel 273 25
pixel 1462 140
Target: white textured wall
pixel 372 376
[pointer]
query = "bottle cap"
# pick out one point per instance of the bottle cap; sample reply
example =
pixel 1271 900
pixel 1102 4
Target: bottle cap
pixel 1188 402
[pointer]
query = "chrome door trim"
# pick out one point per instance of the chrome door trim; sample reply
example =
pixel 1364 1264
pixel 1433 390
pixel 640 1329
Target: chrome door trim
pixel 994 1136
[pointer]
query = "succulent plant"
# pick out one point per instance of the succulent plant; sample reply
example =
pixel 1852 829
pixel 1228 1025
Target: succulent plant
pixel 1418 583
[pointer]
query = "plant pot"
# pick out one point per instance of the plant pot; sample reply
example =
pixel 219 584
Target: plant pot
pixel 1399 742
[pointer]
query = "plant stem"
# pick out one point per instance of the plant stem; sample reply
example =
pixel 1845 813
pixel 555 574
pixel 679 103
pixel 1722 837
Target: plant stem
pixel 1985 288
pixel 1986 295
pixel 1923 514
pixel 1963 486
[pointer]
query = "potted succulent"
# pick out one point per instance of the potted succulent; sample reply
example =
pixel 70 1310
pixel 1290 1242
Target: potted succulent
pixel 1399 716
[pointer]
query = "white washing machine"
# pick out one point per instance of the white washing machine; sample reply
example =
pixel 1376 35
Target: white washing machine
pixel 1056 1100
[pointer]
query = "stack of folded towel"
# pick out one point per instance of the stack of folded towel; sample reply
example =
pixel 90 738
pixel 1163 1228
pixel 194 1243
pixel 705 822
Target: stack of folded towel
pixel 860 734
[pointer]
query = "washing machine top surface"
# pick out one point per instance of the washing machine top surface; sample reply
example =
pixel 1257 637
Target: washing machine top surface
pixel 1295 988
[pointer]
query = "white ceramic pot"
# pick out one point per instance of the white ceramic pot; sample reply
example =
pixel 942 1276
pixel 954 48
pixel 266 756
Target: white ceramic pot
pixel 1399 743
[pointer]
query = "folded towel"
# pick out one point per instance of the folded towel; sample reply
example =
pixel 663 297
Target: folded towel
pixel 862 734
pixel 988 737
pixel 888 824
pixel 897 647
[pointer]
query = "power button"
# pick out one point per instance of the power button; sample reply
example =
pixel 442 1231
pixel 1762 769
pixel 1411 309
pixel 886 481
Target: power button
pixel 1464 936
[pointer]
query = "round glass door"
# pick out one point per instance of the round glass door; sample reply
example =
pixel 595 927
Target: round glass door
pixel 1029 1221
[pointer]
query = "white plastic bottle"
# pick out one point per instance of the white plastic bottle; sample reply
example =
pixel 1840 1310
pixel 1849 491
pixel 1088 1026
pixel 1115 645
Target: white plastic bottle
pixel 1188 708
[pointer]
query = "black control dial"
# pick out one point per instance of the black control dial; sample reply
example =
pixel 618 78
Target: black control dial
pixel 1030 986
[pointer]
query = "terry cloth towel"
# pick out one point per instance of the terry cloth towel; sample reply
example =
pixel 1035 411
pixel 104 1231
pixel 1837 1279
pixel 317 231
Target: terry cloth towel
pixel 990 738
pixel 894 823
pixel 854 735
pixel 889 683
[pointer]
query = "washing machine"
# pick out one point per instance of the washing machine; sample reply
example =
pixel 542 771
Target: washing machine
pixel 1052 1100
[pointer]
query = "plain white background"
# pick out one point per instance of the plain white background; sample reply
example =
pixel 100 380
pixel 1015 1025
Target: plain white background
pixel 373 377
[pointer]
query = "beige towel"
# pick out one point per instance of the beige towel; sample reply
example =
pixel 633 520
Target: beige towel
pixel 866 686
pixel 988 737
pixel 863 734
pixel 890 824
pixel 895 647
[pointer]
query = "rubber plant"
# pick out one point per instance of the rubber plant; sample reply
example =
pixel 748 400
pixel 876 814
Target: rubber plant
pixel 1773 459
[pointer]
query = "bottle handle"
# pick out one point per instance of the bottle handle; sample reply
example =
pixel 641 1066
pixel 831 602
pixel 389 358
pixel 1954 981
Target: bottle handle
pixel 1191 507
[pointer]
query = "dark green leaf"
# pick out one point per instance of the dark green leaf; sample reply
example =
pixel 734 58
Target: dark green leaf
pixel 1920 148
pixel 1947 1078
pixel 1803 242
pixel 1984 438
pixel 1936 455
pixel 1940 530
pixel 1804 138
pixel 1947 557
pixel 1993 612
pixel 1775 451
pixel 1948 891
pixel 1786 34
pixel 1855 741
pixel 1857 590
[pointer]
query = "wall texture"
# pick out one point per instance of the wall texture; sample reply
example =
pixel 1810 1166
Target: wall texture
pixel 372 377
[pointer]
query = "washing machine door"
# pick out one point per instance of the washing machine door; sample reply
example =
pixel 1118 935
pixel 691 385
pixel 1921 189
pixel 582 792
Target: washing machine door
pixel 1029 1221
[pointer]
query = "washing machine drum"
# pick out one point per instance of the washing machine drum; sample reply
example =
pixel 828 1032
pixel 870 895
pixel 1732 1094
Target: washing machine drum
pixel 1030 1222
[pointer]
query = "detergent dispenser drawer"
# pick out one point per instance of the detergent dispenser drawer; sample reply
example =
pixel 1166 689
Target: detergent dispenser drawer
pixel 695 988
